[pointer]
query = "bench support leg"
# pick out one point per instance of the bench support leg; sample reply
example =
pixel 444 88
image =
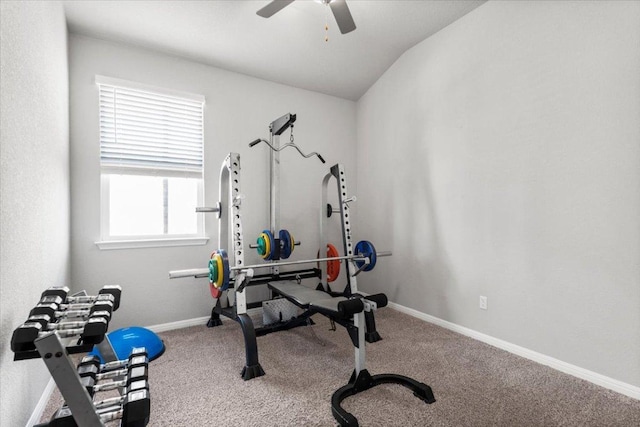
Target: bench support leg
pixel 371 335
pixel 252 368
pixel 215 319
pixel 215 315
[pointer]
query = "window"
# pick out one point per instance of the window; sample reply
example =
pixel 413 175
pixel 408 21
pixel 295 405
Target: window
pixel 151 163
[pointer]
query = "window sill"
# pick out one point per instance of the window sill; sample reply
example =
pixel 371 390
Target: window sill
pixel 151 243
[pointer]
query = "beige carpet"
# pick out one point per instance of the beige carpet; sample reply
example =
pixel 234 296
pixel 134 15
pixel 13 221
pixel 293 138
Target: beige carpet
pixel 197 381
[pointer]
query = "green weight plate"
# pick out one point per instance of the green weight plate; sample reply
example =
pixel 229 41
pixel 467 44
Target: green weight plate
pixel 213 271
pixel 262 246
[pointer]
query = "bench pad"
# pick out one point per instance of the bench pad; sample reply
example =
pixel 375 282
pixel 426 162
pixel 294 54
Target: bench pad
pixel 306 298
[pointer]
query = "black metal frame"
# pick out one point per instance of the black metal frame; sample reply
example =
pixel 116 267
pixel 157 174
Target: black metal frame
pixel 34 354
pixel 252 368
pixel 365 381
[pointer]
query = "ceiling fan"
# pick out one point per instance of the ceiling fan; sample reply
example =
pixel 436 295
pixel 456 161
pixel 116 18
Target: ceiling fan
pixel 338 7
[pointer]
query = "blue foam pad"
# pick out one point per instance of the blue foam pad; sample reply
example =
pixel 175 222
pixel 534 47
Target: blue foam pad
pixel 125 339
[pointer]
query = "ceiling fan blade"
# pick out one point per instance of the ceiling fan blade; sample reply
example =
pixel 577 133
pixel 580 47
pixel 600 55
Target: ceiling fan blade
pixel 343 16
pixel 273 7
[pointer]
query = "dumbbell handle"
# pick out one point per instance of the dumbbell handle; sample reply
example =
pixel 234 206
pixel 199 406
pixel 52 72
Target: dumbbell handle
pixel 65 333
pixel 107 293
pixel 77 302
pixel 60 311
pixel 84 299
pixel 176 274
pixel 109 386
pixel 119 411
pixel 85 315
pixel 111 374
pixel 74 314
pixel 128 376
pixel 65 329
pixel 64 326
pixel 112 385
pixel 106 404
pixel 52 310
pixel 111 413
pixel 116 364
pixel 76 306
pixel 123 368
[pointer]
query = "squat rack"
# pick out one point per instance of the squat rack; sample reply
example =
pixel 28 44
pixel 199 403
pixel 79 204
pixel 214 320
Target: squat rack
pixel 348 308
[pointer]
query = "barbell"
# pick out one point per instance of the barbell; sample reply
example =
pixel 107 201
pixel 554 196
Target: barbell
pixel 218 271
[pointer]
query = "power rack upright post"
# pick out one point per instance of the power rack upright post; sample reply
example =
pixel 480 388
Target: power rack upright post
pixel 234 304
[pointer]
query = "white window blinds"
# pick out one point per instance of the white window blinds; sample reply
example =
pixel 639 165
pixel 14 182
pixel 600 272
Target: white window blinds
pixel 149 130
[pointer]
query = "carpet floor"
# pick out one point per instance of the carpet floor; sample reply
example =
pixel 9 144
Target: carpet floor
pixel 197 381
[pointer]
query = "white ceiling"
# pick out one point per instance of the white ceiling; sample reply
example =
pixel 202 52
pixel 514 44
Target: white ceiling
pixel 287 48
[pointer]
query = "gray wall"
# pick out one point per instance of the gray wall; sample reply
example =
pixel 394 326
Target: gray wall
pixel 501 157
pixel 34 184
pixel 238 110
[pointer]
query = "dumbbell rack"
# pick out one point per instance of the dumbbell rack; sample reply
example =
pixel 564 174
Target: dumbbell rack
pixel 66 377
pixel 79 407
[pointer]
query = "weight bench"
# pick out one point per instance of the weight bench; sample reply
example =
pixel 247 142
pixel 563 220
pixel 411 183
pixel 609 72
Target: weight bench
pixel 305 298
pixel 336 308
pixel 349 312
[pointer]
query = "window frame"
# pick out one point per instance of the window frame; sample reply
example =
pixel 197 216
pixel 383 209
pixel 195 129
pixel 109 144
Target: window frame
pixel 107 241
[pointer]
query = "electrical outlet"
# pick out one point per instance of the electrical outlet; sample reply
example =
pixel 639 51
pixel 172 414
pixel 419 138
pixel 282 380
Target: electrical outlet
pixel 483 302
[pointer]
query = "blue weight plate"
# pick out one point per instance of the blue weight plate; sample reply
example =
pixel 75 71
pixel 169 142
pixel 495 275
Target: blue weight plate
pixel 366 248
pixel 287 248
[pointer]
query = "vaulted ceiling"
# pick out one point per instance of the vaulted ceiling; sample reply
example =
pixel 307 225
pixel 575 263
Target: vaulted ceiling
pixel 288 48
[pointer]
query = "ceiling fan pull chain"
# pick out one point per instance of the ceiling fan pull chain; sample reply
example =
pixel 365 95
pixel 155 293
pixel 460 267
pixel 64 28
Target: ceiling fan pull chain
pixel 291 135
pixel 326 22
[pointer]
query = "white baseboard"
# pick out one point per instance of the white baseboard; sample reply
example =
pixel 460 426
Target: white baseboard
pixel 567 368
pixel 42 404
pixel 192 322
pixel 179 324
